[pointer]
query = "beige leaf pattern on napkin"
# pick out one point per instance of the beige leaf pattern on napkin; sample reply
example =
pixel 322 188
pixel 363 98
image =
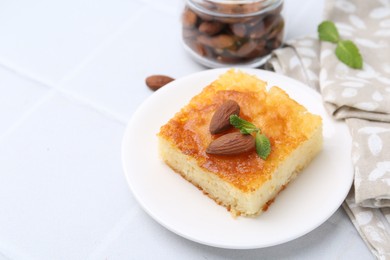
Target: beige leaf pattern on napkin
pixel 361 98
pixel 381 169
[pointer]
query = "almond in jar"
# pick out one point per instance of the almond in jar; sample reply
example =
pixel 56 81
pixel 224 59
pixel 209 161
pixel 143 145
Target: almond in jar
pixel 222 33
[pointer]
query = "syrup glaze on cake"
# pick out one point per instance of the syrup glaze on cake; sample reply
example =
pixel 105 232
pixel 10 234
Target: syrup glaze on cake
pixel 282 119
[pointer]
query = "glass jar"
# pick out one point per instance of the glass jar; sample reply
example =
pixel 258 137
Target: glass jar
pixel 220 33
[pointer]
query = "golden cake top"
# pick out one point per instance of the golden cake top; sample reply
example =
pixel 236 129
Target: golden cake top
pixel 285 122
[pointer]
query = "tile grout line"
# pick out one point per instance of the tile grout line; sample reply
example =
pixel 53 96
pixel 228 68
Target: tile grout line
pixel 59 88
pixel 79 67
pixel 53 89
pixel 77 99
pixel 85 101
pixel 25 115
pixel 6 65
pixel 51 92
pixel 113 234
pixel 4 256
pixel 98 108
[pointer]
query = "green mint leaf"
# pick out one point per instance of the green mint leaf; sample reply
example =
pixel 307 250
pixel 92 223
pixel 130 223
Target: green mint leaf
pixel 263 146
pixel 244 126
pixel 327 31
pixel 348 53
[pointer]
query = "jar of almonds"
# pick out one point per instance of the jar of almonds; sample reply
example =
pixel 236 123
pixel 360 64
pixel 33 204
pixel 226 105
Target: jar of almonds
pixel 220 33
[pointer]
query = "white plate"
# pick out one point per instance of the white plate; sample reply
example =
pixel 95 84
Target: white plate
pixel 179 206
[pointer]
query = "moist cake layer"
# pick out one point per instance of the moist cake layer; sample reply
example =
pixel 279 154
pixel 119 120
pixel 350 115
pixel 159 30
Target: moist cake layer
pixel 226 194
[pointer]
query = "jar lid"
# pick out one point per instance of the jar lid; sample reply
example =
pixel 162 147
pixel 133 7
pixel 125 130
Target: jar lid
pixel 236 8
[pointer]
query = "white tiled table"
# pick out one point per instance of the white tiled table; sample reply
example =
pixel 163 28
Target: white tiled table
pixel 71 75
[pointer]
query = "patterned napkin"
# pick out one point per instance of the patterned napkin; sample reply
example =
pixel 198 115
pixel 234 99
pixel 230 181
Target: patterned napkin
pixel 361 98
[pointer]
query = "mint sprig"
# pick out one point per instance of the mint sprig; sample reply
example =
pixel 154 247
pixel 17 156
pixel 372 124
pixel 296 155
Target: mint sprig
pixel 327 31
pixel 244 126
pixel 346 51
pixel 263 145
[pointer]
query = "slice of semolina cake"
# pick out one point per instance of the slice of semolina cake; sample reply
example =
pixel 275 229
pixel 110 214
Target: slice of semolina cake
pixel 241 180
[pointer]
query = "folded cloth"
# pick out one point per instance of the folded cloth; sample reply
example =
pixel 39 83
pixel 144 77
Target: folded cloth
pixel 361 98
